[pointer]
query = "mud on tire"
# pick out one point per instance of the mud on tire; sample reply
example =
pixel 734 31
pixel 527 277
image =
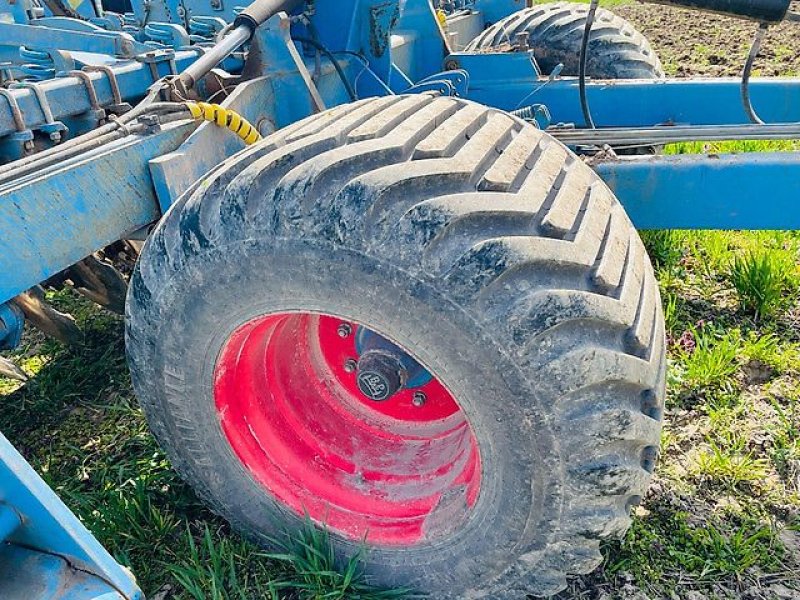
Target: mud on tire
pixel 616 50
pixel 467 236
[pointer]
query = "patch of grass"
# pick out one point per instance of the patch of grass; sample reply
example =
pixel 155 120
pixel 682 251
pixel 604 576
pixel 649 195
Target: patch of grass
pixel 712 360
pixel 786 436
pixel 221 568
pixel 732 147
pixel 310 564
pixel 763 281
pixel 769 350
pixel 668 546
pixel 728 467
pixel 665 246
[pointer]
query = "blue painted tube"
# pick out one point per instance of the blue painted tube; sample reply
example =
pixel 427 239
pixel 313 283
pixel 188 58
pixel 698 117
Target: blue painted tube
pixel 729 191
pixel 509 81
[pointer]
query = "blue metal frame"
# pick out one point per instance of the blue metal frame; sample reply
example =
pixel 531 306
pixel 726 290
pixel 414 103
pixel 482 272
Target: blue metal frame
pixel 54 218
pixel 45 552
pixel 386 47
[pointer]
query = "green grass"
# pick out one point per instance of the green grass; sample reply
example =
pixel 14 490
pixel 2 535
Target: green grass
pixel 696 552
pixel 764 280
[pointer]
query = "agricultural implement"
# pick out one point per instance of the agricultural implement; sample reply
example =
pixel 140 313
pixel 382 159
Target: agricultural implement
pixel 391 279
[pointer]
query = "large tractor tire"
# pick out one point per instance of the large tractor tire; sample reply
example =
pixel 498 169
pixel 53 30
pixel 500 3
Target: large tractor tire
pixel 421 322
pixel 555 31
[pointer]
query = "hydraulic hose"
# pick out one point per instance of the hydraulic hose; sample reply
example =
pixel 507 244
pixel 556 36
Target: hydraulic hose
pixel 748 69
pixel 765 11
pixel 351 91
pixel 84 143
pixel 587 32
pixel 243 28
pixel 224 117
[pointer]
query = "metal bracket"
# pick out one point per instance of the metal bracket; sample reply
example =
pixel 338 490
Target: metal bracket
pixel 447 83
pixel 168 34
pixel 97 111
pixel 154 57
pixel 118 107
pixel 51 127
pixel 23 135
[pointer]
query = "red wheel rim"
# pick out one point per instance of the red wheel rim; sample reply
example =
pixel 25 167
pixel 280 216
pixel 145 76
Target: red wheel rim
pixel 393 472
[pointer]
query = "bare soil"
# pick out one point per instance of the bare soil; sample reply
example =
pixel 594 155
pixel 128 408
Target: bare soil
pixel 693 43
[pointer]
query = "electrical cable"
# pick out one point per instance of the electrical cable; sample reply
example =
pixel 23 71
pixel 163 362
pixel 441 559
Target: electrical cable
pixel 365 64
pixel 351 92
pixel 587 30
pixel 748 68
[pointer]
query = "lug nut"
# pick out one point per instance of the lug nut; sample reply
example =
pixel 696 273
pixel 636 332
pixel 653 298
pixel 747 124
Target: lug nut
pixel 419 399
pixel 344 330
pixel 350 365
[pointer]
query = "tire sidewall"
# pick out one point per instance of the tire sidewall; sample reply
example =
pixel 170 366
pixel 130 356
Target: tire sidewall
pixel 181 331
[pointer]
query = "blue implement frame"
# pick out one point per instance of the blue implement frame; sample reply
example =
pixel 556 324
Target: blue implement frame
pixel 46 552
pixel 69 75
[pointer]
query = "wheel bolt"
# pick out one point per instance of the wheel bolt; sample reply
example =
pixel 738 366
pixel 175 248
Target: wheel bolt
pixel 419 399
pixel 344 330
pixel 350 365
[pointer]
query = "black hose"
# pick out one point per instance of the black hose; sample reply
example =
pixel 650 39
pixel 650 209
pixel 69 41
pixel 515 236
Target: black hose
pixel 587 30
pixel 748 68
pixel 336 65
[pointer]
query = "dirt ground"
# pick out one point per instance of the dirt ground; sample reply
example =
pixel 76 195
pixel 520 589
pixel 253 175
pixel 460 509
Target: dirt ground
pixel 695 43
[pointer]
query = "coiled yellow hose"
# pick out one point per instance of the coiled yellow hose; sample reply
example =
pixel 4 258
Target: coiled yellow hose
pixel 224 117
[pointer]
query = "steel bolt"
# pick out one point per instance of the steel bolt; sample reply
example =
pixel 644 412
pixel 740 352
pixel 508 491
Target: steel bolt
pixel 419 399
pixel 451 65
pixel 350 365
pixel 344 330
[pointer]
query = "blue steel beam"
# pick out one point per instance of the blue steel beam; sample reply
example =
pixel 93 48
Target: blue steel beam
pixel 96 40
pixel 508 81
pixel 67 96
pixel 729 191
pixel 47 552
pixel 64 213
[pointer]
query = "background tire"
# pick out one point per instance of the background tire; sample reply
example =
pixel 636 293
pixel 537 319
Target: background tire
pixel 483 247
pixel 616 49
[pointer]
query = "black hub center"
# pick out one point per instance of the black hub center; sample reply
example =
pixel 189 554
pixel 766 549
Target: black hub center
pixel 380 375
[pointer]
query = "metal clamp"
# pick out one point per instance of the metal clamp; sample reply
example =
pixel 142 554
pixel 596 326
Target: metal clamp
pixel 99 112
pixel 118 107
pixel 23 134
pixel 154 57
pixel 51 127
